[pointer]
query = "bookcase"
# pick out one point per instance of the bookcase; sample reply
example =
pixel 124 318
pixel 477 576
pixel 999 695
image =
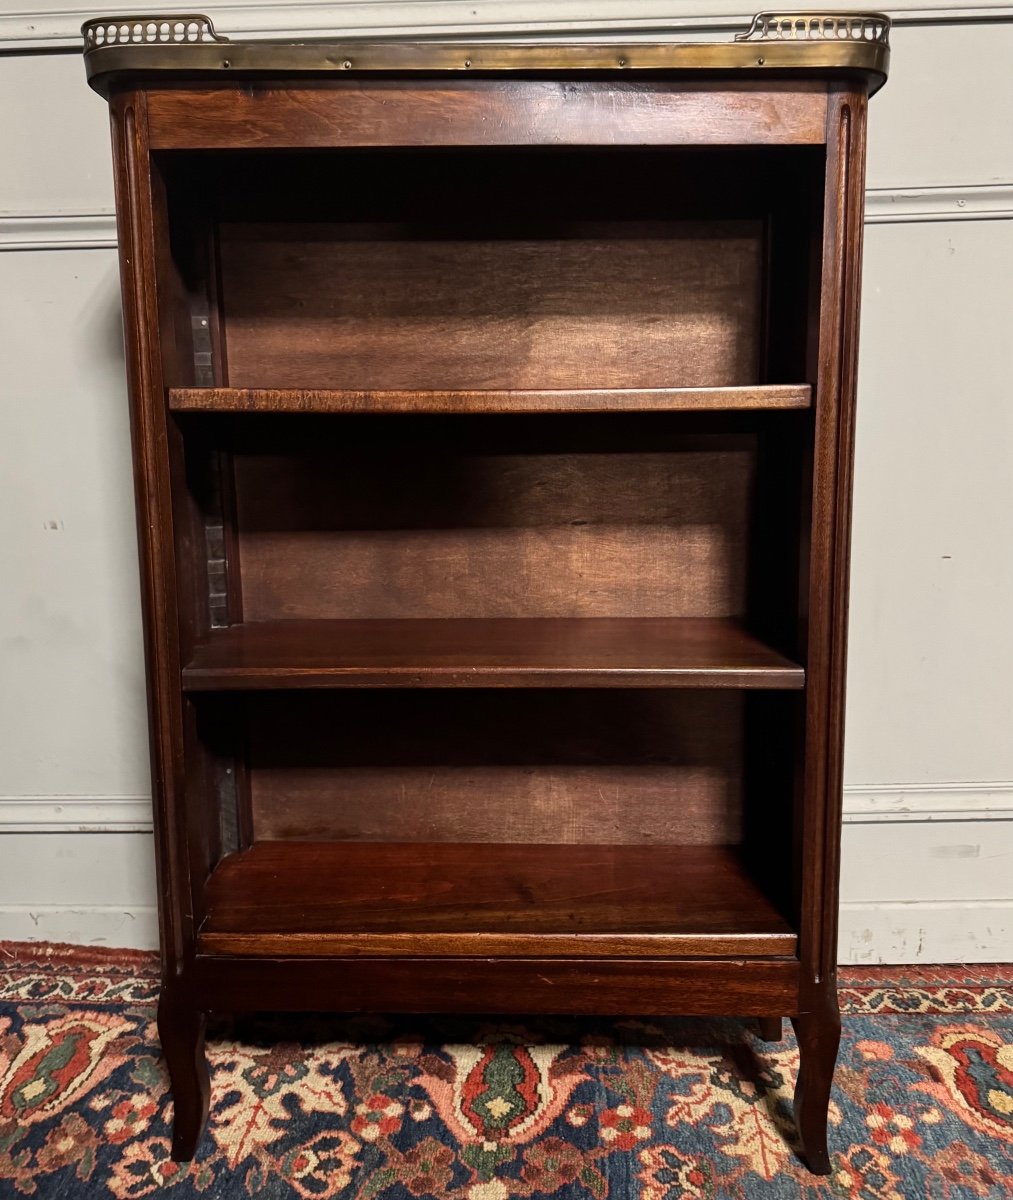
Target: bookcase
pixel 492 412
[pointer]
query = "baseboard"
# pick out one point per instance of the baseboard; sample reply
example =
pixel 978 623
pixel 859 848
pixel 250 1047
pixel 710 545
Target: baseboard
pixel 134 928
pixel 919 932
pixel 926 931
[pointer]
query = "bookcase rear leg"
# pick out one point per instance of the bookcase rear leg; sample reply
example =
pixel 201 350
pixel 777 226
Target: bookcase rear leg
pixel 771 1028
pixel 819 1035
pixel 181 1030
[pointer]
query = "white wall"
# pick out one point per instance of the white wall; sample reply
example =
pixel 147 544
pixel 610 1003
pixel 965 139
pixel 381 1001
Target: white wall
pixel 928 862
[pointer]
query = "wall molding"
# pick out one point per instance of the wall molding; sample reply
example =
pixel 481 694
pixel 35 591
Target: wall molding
pixel 863 805
pixel 58 29
pixel 75 814
pixel 963 202
pixel 871 804
pixel 58 231
pixel 883 206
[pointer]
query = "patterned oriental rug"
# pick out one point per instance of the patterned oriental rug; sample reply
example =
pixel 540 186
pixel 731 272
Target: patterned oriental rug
pixel 487 1109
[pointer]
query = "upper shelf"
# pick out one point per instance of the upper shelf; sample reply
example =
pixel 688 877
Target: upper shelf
pixel 775 43
pixel 274 400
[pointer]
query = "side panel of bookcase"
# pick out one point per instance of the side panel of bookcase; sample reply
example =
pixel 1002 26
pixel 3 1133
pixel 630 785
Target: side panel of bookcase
pixel 172 608
pixel 817 1023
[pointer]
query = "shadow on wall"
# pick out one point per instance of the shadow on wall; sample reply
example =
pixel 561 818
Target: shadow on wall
pixel 103 323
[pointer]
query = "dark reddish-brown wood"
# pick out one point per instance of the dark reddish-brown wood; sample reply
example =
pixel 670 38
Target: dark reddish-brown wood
pixel 156 340
pixel 493 440
pixel 486 112
pixel 818 1031
pixel 659 766
pixel 771 1028
pixel 497 652
pixel 181 1024
pixel 835 335
pixel 278 400
pixel 391 517
pixel 367 899
pixel 605 304
pixel 230 983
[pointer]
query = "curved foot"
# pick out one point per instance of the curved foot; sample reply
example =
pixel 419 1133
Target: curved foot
pixel 819 1035
pixel 181 1029
pixel 771 1028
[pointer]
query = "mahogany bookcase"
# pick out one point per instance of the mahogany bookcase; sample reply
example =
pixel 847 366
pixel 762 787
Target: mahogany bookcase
pixel 492 414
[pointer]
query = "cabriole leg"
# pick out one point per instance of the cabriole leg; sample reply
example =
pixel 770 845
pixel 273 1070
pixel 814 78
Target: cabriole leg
pixel 819 1035
pixel 181 1029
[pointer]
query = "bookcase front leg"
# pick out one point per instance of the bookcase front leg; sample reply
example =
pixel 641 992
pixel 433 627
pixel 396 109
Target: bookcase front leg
pixel 819 1035
pixel 181 1029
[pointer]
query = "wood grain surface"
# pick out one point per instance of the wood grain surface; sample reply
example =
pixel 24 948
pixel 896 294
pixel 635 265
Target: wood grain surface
pixel 658 766
pixel 589 986
pixel 368 898
pixel 561 652
pixel 567 305
pixel 294 400
pixel 487 112
pixel 411 521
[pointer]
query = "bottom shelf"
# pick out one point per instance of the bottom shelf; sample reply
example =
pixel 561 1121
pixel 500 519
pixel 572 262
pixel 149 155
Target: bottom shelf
pixel 289 898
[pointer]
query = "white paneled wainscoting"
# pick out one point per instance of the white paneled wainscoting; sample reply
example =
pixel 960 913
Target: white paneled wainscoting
pixel 81 870
pixel 884 206
pixel 928 837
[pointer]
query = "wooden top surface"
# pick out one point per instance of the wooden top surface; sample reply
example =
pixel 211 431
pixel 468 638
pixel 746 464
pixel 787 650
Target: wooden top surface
pixel 187 46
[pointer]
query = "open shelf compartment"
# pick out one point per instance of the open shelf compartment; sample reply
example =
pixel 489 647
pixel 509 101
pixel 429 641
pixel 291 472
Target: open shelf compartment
pixel 588 549
pixel 493 525
pixel 495 279
pixel 401 820
pixel 333 898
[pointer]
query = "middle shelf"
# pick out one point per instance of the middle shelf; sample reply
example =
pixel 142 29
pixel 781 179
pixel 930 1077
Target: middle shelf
pixel 772 396
pixel 555 652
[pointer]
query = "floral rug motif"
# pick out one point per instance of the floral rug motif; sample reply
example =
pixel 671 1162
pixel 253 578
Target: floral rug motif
pixel 489 1109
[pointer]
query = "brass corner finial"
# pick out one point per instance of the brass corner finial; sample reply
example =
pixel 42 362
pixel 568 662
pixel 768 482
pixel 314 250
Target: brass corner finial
pixel 818 26
pixel 179 29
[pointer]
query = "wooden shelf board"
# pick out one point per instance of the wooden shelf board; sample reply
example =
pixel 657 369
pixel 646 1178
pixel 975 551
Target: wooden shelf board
pixel 361 899
pixel 292 400
pixel 494 652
